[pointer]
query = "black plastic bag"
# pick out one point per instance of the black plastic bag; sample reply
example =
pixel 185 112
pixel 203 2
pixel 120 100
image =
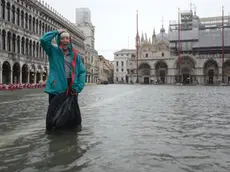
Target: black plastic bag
pixel 63 112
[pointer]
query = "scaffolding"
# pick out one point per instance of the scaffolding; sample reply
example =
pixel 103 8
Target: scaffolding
pixel 186 21
pixel 214 22
pixel 206 23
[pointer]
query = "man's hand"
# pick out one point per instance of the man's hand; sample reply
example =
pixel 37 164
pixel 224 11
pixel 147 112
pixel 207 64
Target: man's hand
pixel 72 92
pixel 61 30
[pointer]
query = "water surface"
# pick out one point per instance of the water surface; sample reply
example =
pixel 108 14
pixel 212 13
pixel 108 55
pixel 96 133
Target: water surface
pixel 125 128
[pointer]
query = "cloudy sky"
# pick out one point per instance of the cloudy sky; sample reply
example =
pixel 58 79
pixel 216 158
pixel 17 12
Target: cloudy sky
pixel 115 20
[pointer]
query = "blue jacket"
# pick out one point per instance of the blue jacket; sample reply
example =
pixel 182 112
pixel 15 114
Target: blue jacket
pixel 57 82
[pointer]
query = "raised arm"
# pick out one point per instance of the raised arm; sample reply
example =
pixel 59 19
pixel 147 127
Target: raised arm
pixel 46 41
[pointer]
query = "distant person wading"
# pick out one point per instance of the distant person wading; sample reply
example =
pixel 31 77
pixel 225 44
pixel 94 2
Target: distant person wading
pixel 64 71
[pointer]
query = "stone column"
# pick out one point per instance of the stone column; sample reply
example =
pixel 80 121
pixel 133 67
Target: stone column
pixel 23 26
pixel 91 78
pixel 35 51
pixel 35 77
pixel 20 77
pixel 11 77
pixel 11 43
pixel 28 76
pixel 6 13
pixel 1 39
pixel 16 45
pixel 220 74
pixel 34 26
pixel 0 12
pixel 0 73
pixel 16 17
pixel 6 42
pixel 20 46
pixel 41 76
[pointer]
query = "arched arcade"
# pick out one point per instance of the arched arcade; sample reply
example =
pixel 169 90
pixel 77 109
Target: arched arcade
pixel 6 73
pixel 185 70
pixel 16 73
pixel 211 72
pixel 226 71
pixel 39 76
pixel 144 72
pixel 161 72
pixel 25 74
pixel 45 73
pixel 32 73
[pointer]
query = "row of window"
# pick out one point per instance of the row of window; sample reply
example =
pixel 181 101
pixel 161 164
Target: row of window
pixel 121 80
pixel 147 55
pixel 19 14
pixel 122 63
pixel 122 70
pixel 22 45
pixel 22 18
pixel 36 22
pixel 132 55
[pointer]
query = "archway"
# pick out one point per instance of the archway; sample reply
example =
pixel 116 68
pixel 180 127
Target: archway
pixel 186 70
pixel 44 75
pixel 6 73
pixel 24 73
pixel 161 71
pixel 126 78
pixel 144 72
pixel 32 74
pixel 38 77
pixel 226 71
pixel 88 81
pixel 186 74
pixel 211 72
pixel 16 73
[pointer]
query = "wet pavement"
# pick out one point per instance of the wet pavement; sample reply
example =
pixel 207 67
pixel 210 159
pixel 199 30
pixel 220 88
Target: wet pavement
pixel 126 128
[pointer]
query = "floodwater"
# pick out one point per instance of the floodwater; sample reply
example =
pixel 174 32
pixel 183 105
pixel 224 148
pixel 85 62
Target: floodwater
pixel 126 128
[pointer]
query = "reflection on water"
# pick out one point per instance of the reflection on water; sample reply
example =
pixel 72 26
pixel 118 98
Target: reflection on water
pixel 125 128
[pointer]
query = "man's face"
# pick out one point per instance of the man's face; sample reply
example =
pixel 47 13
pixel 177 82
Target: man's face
pixel 64 42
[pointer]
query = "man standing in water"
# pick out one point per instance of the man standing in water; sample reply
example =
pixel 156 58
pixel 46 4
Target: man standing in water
pixel 62 65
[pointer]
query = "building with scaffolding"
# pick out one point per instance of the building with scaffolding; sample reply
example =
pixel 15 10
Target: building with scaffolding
pixel 194 51
pixel 200 48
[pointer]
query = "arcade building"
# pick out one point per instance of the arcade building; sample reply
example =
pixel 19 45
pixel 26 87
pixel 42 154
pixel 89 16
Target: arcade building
pixel 22 59
pixel 198 59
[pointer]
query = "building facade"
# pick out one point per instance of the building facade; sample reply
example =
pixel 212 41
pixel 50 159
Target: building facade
pixel 195 57
pixel 83 15
pixel 153 57
pixel 201 43
pixel 120 63
pixel 105 73
pixel 22 59
pixel 83 22
pixel 91 64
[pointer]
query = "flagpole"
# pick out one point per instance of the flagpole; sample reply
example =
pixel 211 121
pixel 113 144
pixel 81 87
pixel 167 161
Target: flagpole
pixel 137 44
pixel 178 48
pixel 222 44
